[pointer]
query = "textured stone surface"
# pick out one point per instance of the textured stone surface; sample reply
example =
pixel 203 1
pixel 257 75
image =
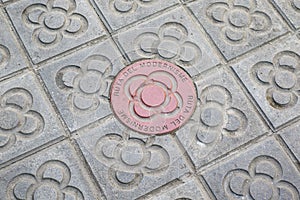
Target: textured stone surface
pixel 262 172
pixel 79 83
pixel 25 123
pixel 55 173
pixel 238 26
pixel 291 9
pixel 271 75
pixel 11 56
pixel 223 120
pixel 48 28
pixel 188 190
pixel 171 37
pixel 128 165
pixel 292 138
pixel 120 13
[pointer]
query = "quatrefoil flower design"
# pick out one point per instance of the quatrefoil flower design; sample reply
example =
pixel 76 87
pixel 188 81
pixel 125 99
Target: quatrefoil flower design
pixel 281 77
pixel 218 118
pixel 140 90
pixel 53 21
pixel 128 6
pixel 17 120
pixel 130 159
pixel 262 180
pixel 86 84
pixel 171 43
pixel 238 19
pixel 50 182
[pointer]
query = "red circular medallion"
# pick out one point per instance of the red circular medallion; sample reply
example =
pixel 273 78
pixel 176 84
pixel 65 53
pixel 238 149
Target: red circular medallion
pixel 153 96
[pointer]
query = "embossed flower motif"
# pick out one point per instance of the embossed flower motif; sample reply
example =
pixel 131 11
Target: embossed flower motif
pixel 217 118
pixel 53 21
pixel 238 19
pixel 50 182
pixel 130 159
pixel 263 180
pixel 17 119
pixel 88 84
pixel 281 77
pixel 4 56
pixel 126 6
pixel 153 95
pixel 171 43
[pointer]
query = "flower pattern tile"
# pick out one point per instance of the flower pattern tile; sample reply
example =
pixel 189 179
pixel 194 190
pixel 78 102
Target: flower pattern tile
pixel 238 26
pixel 58 175
pixel 120 13
pixel 12 58
pixel 271 75
pixel 173 39
pixel 25 123
pixel 128 164
pixel 223 120
pixel 79 83
pixel 262 172
pixel 50 27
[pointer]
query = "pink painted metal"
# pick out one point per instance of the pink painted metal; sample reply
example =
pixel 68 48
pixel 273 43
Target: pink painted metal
pixel 153 97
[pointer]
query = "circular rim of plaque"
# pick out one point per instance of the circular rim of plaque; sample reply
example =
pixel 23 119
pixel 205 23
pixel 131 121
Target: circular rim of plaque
pixel 153 97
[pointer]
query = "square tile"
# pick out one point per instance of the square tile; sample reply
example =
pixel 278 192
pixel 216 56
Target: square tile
pixel 188 190
pixel 26 119
pixel 54 173
pixel 50 27
pixel 263 171
pixel 120 13
pixel 128 165
pixel 12 57
pixel 291 136
pixel 224 119
pixel 173 37
pixel 238 26
pixel 290 8
pixel 79 83
pixel 272 75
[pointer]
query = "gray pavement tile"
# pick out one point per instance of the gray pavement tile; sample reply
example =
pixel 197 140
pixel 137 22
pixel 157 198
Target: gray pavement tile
pixel 79 83
pixel 172 37
pixel 26 119
pixel 224 119
pixel 186 191
pixel 11 56
pixel 272 75
pixel 54 173
pixel 263 171
pixel 128 165
pixel 291 136
pixel 120 13
pixel 50 27
pixel 291 9
pixel 237 26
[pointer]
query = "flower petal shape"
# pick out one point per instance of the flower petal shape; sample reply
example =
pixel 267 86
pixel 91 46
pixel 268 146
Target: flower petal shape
pixel 234 36
pixel 236 122
pixel 260 22
pixel 215 93
pixel 46 38
pixel 140 111
pixel 289 189
pixel 190 53
pixel 33 125
pixel 124 5
pixel 133 84
pixel 78 25
pixel 249 4
pixel 71 192
pixel 281 99
pixel 173 30
pixel 83 102
pixel 6 141
pixel 18 187
pixel 66 77
pixel 263 72
pixel 287 60
pixel 159 160
pixel 18 98
pixel 146 44
pixel 32 14
pixel 216 12
pixel 67 5
pixel 236 183
pixel 165 78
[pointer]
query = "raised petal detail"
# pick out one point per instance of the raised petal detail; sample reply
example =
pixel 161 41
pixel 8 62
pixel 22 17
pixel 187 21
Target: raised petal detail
pixel 98 63
pixel 18 187
pixel 18 98
pixel 133 84
pixel 7 141
pixel 84 102
pixel 236 183
pixel 123 5
pixel 249 4
pixel 215 93
pixel 140 111
pixel 217 12
pixel 31 15
pixel 172 104
pixel 263 72
pixel 260 22
pixel 235 36
pixel 66 77
pixel 146 44
pixel 165 79
pixel 190 53
pixel 173 30
pixel 72 193
pixel 287 60
pixel 236 122
pixel 54 170
pixel 67 5
pixel 45 38
pixel 159 160
pixel 78 25
pixel 106 147
pixel 286 187
pixel 280 99
pixel 33 125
